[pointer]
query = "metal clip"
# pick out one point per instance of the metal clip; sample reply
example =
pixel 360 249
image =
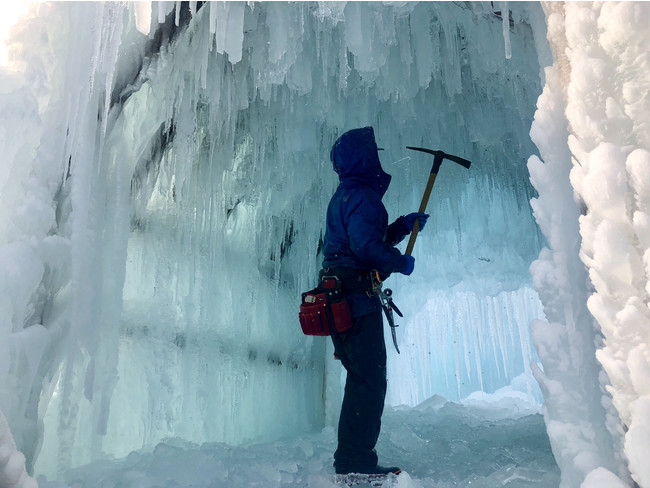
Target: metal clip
pixel 387 305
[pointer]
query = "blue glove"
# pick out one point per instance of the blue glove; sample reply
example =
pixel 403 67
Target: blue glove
pixel 410 264
pixel 410 219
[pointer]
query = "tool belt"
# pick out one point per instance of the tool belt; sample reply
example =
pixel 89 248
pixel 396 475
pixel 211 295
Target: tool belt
pixel 324 310
pixel 352 280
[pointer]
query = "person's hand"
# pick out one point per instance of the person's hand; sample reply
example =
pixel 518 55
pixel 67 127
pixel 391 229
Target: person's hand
pixel 409 264
pixel 410 219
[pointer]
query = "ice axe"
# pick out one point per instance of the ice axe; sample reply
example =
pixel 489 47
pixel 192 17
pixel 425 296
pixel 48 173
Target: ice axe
pixel 438 157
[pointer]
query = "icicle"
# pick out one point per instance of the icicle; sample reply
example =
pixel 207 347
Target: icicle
pixel 218 24
pixel 143 16
pixel 164 8
pixel 235 31
pixel 213 17
pixel 177 19
pixel 505 19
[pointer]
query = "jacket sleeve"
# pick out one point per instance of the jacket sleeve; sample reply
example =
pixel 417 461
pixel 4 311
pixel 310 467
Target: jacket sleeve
pixel 366 230
pixel 396 232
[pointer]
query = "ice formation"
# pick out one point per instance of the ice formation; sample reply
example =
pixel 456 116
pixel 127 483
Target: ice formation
pixel 12 461
pixel 591 128
pixel 165 176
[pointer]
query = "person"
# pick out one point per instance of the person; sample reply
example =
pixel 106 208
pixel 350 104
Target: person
pixel 358 243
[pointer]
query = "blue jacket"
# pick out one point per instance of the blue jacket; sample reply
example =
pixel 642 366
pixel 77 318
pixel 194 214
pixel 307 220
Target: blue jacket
pixel 357 233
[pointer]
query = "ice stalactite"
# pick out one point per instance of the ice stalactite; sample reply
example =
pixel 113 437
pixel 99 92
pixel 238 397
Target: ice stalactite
pixel 505 19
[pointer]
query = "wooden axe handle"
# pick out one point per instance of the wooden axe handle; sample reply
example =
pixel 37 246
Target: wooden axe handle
pixel 438 156
pixel 423 207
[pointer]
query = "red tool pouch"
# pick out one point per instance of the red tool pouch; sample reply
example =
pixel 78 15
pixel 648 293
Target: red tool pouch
pixel 323 310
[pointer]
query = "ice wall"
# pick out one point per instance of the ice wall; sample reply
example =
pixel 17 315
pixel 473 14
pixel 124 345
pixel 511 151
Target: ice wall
pixel 592 131
pixel 12 461
pixel 167 210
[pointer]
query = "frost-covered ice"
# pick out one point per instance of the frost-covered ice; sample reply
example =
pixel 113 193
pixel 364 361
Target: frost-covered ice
pixel 592 131
pixel 439 444
pixel 12 462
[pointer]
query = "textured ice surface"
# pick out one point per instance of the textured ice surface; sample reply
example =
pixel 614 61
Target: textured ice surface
pixel 589 130
pixel 438 445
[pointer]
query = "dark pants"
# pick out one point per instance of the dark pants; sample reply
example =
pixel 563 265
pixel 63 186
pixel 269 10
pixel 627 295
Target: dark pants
pixel 362 352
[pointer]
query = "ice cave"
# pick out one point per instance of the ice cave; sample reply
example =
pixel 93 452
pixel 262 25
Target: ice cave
pixel 165 176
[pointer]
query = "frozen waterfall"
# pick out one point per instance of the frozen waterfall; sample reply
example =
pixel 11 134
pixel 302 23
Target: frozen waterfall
pixel 165 178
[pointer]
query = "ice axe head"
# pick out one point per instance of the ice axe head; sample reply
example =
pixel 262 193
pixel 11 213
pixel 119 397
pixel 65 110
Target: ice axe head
pixel 438 157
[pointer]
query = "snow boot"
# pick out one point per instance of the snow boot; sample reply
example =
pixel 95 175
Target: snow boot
pixel 373 477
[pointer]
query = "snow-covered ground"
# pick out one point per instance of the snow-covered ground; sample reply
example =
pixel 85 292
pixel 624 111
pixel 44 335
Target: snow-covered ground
pixel 438 444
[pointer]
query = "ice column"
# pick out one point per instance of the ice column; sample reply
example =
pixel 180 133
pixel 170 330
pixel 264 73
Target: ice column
pixel 575 420
pixel 608 109
pixel 55 340
pixel 600 80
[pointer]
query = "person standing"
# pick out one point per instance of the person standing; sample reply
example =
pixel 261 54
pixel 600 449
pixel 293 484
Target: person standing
pixel 359 243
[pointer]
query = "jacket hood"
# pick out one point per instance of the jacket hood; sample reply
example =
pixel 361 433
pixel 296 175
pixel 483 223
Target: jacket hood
pixel 355 158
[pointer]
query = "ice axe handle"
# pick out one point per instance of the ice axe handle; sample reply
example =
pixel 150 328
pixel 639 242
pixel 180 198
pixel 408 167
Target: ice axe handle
pixel 423 205
pixel 438 156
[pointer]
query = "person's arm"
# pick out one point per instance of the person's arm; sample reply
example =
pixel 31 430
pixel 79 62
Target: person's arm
pixel 366 234
pixel 396 232
pixel 403 226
